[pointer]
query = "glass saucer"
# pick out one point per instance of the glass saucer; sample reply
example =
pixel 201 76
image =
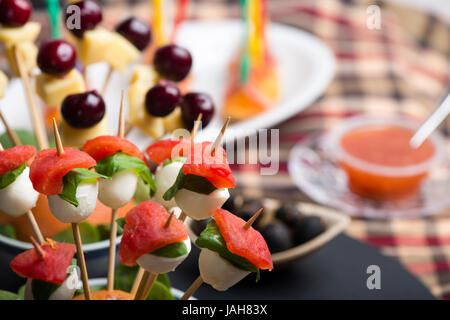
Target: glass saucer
pixel 315 172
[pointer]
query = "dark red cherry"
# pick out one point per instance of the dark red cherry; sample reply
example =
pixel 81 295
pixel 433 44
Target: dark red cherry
pixel 136 31
pixel 172 62
pixel 14 13
pixel 57 57
pixel 90 15
pixel 193 104
pixel 83 110
pixel 162 99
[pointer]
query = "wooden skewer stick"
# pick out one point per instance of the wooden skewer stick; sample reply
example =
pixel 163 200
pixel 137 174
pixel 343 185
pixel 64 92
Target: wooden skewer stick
pixel 219 138
pixel 107 80
pixel 36 116
pixel 194 286
pixel 250 221
pixel 148 279
pixel 196 125
pixel 37 246
pixel 75 226
pixel 11 133
pixel 34 226
pixel 169 219
pixel 137 282
pixel 113 228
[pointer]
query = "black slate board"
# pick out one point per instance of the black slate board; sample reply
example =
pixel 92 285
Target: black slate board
pixel 336 271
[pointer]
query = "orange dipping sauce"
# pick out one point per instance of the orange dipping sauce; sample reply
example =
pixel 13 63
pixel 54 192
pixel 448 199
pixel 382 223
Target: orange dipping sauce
pixel 380 163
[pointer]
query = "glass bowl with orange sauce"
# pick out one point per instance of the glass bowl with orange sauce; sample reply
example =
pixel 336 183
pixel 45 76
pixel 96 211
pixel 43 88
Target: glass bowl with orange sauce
pixel 377 158
pixel 365 168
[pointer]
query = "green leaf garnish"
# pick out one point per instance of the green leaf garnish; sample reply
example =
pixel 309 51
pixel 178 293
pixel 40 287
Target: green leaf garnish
pixel 119 161
pixel 42 290
pixel 172 250
pixel 160 292
pixel 73 179
pixel 120 224
pixel 7 295
pixel 190 182
pixel 8 230
pixel 26 138
pixel 89 234
pixel 11 176
pixel 211 239
pixel 143 192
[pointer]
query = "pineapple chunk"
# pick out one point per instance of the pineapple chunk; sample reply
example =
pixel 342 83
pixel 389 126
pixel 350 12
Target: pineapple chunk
pixel 138 117
pixel 75 138
pixel 3 83
pixel 53 90
pixel 144 74
pixel 100 45
pixel 28 51
pixel 14 35
pixel 173 121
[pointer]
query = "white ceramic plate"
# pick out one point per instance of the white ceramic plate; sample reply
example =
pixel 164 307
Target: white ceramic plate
pixel 306 67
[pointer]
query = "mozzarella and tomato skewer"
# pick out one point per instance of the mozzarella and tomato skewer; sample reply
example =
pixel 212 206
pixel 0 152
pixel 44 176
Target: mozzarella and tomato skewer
pixel 230 250
pixel 203 181
pixel 154 241
pixel 47 268
pixel 124 164
pixel 64 176
pixel 17 196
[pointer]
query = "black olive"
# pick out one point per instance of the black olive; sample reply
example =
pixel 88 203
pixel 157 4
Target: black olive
pixel 248 209
pixel 307 228
pixel 287 213
pixel 277 236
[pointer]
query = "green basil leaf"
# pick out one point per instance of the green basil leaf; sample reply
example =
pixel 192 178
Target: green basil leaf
pixel 160 292
pixel 143 192
pixel 172 250
pixel 198 184
pixel 8 230
pixel 73 179
pixel 211 239
pixel 119 161
pixel 177 185
pixel 21 292
pixel 7 295
pixel 120 224
pixel 89 234
pixel 26 137
pixel 11 176
pixel 42 290
pixel 124 277
pixel 104 231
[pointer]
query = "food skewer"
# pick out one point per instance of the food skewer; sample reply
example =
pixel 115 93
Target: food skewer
pixel 34 226
pixel 75 225
pixel 149 278
pixel 217 270
pixel 113 226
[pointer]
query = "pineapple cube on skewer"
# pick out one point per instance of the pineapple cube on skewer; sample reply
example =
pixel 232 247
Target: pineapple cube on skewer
pixel 14 35
pixel 53 90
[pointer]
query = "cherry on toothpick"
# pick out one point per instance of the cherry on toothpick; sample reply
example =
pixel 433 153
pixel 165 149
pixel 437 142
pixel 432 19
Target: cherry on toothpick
pixel 172 62
pixel 14 13
pixel 57 57
pixel 90 16
pixel 194 103
pixel 83 110
pixel 162 99
pixel 135 31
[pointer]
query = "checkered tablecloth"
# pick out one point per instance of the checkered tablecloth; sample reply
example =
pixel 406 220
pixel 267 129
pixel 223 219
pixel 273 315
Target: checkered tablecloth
pixel 401 68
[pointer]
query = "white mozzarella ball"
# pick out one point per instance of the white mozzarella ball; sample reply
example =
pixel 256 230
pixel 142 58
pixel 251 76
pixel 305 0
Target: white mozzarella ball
pixel 164 178
pixel 200 206
pixel 19 197
pixel 67 212
pixel 65 291
pixel 218 272
pixel 118 191
pixel 157 264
